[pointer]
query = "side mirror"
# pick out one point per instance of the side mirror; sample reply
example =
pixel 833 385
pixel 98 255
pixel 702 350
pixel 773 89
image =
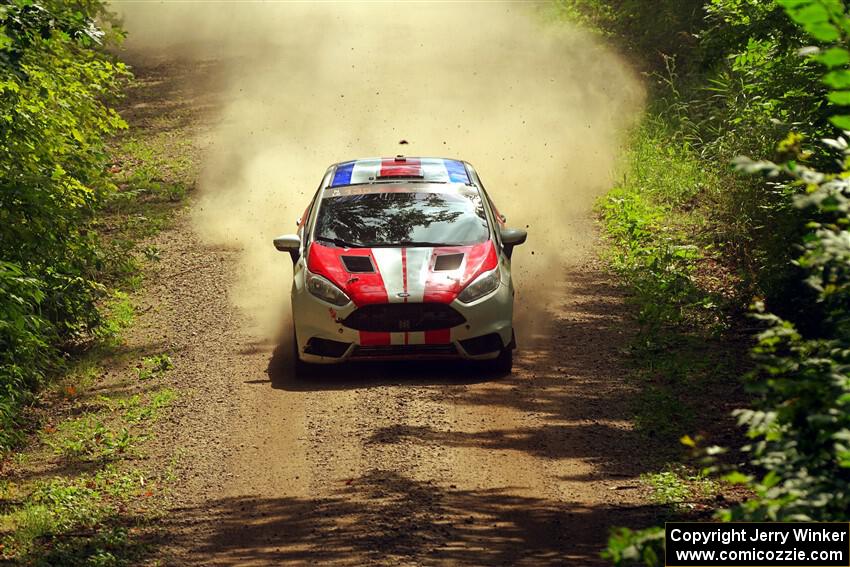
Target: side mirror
pixel 289 243
pixel 512 237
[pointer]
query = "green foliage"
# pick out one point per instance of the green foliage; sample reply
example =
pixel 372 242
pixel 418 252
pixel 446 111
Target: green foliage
pixel 655 257
pixel 55 84
pixel 800 428
pixel 89 438
pixel 92 513
pixel 649 30
pixel 112 432
pixel 657 231
pixel 154 366
pixel 799 425
pixel 118 314
pixel 24 344
pixel 135 410
pixel 679 486
pixel 72 521
pixel 628 547
pixel 826 21
pixel 727 79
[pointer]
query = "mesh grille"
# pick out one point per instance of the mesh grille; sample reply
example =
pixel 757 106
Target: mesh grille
pixel 401 317
pixel 403 351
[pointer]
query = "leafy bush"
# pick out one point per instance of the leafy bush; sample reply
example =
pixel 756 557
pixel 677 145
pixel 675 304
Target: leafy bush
pixel 801 425
pixel 24 336
pixel 55 84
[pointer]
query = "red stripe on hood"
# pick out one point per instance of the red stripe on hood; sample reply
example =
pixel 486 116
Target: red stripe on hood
pixel 443 287
pixel 410 167
pixel 363 289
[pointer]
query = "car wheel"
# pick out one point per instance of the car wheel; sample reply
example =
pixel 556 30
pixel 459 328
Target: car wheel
pixel 502 364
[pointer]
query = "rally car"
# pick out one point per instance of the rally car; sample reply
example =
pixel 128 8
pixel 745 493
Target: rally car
pixel 402 258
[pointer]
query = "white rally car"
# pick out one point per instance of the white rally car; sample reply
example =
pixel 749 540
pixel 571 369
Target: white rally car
pixel 402 258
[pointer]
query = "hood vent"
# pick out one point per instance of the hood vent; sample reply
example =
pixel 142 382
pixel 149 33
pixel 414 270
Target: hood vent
pixel 358 264
pixel 447 262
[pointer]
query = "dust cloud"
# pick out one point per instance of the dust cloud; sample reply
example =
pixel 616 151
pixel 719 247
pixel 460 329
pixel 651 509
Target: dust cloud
pixel 538 109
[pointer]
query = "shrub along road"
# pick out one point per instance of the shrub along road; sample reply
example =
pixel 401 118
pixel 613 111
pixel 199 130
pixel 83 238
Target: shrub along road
pixel 385 463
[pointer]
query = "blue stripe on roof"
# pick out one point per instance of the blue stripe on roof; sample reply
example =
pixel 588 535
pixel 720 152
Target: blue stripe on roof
pixel 457 171
pixel 342 176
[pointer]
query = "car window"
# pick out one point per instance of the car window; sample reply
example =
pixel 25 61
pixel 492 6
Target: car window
pixel 408 218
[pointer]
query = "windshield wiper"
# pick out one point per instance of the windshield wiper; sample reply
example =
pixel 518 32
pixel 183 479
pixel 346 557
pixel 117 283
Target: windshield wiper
pixel 340 242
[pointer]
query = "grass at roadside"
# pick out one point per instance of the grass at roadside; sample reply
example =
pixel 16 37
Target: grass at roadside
pixel 74 522
pixel 154 174
pixel 681 488
pixel 658 225
pixel 81 493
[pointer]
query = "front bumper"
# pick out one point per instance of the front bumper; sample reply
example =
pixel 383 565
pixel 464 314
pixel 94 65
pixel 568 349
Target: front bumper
pixel 322 336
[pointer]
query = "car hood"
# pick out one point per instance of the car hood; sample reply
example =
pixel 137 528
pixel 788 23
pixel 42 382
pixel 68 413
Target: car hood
pixel 397 275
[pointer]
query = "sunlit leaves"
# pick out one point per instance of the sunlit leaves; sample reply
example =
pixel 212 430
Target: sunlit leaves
pixel 826 21
pixel 53 115
pixel 839 79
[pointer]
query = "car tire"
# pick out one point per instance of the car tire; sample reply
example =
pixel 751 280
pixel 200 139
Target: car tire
pixel 502 364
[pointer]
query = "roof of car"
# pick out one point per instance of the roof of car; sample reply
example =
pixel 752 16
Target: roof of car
pixel 400 169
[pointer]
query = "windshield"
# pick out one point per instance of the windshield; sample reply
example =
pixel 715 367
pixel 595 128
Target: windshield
pixel 403 219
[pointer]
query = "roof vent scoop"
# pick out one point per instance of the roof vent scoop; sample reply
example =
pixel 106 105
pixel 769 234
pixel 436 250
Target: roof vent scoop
pixel 358 264
pixel 447 262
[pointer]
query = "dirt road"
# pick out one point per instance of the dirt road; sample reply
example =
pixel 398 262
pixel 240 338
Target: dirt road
pixel 411 464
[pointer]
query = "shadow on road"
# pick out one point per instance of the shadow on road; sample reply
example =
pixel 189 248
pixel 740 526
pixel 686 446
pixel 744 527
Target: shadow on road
pixel 355 375
pixel 386 517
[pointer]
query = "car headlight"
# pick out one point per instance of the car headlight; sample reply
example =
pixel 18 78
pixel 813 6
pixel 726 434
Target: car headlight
pixel 480 286
pixel 326 291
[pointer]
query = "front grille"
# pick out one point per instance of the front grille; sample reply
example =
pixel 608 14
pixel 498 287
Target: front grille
pixel 401 317
pixel 403 351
